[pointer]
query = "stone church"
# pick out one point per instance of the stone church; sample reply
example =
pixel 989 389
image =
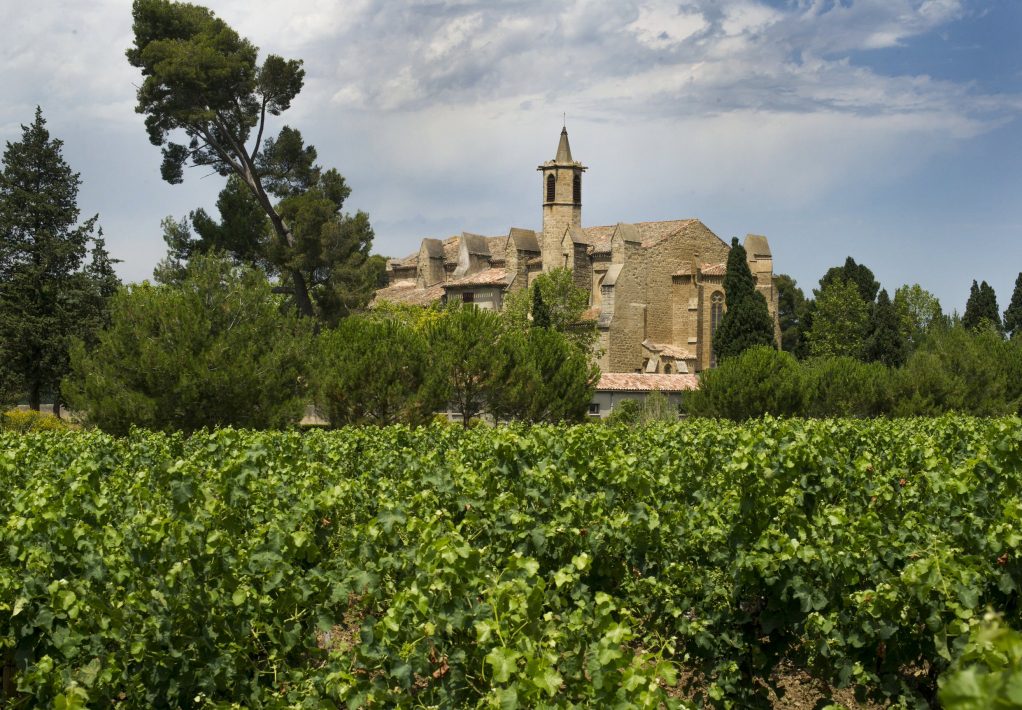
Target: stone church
pixel 655 288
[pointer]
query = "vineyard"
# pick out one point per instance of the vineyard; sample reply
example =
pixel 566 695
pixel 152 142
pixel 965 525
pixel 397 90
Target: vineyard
pixel 512 567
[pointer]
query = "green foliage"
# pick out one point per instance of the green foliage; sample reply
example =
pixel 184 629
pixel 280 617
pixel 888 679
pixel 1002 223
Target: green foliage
pixel 840 321
pixel 564 566
pixel 988 673
pixel 374 370
pixel 746 322
pixel 49 293
pixel 202 80
pixel 540 313
pixel 656 407
pixel 858 274
pixel 884 341
pixel 792 309
pixel 546 378
pixel 981 308
pixel 562 307
pixel 467 357
pixel 24 421
pixel 627 411
pixel 918 311
pixel 213 350
pixel 957 370
pixel 759 381
pixel 845 387
pixel 1013 316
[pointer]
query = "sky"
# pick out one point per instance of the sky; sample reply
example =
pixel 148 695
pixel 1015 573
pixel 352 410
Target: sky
pixel 885 130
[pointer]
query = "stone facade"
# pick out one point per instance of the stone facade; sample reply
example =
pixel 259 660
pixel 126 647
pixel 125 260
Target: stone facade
pixel 655 288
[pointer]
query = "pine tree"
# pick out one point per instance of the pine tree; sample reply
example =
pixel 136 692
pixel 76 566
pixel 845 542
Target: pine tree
pixel 1013 316
pixel 746 322
pixel 885 343
pixel 47 299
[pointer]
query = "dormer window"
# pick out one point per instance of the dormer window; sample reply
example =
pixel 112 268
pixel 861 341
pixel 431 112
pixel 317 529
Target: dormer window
pixel 551 187
pixel 576 189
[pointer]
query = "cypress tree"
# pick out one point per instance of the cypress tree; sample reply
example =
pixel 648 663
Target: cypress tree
pixel 1013 316
pixel 981 306
pixel 885 343
pixel 746 322
pixel 540 312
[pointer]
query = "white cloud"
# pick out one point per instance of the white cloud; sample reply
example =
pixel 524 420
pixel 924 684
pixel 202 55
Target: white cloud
pixel 665 24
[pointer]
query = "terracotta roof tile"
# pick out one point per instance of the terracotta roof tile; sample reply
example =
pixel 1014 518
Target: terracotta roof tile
pixel 713 269
pixel 487 277
pixel 406 292
pixel 635 382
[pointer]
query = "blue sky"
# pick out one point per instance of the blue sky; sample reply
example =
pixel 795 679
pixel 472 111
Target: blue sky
pixel 888 130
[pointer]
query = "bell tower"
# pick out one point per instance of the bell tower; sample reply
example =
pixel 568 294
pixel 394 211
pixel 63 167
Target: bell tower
pixel 562 201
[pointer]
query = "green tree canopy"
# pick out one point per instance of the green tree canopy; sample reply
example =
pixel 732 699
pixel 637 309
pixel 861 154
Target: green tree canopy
pixel 203 82
pixel 1013 316
pixel 758 381
pixel 792 308
pixel 374 370
pixel 884 341
pixel 981 307
pixel 545 378
pixel 959 370
pixel 215 349
pixel 859 274
pixel 49 292
pixel 840 321
pixel 918 310
pixel 562 307
pixel 746 322
pixel 468 357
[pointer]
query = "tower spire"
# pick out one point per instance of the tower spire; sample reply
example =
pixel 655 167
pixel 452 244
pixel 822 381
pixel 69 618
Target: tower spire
pixel 563 149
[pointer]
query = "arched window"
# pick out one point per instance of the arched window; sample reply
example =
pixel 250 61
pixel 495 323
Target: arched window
pixel 551 187
pixel 576 189
pixel 667 369
pixel 716 313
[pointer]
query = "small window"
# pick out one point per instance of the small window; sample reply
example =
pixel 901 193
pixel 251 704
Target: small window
pixel 551 187
pixel 667 369
pixel 594 409
pixel 468 297
pixel 576 189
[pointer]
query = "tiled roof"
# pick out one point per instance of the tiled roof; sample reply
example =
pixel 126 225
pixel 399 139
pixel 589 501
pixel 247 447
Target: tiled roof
pixel 487 277
pixel 713 269
pixel 405 291
pixel 410 260
pixel 635 382
pixel 591 313
pixel 650 233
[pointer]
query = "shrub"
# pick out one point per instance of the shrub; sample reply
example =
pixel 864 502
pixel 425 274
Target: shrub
pixel 759 381
pixel 24 421
pixel 213 350
pixel 374 370
pixel 845 387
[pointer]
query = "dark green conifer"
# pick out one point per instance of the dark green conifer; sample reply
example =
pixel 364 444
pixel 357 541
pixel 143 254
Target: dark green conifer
pixel 981 307
pixel 540 312
pixel 1013 316
pixel 885 343
pixel 746 322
